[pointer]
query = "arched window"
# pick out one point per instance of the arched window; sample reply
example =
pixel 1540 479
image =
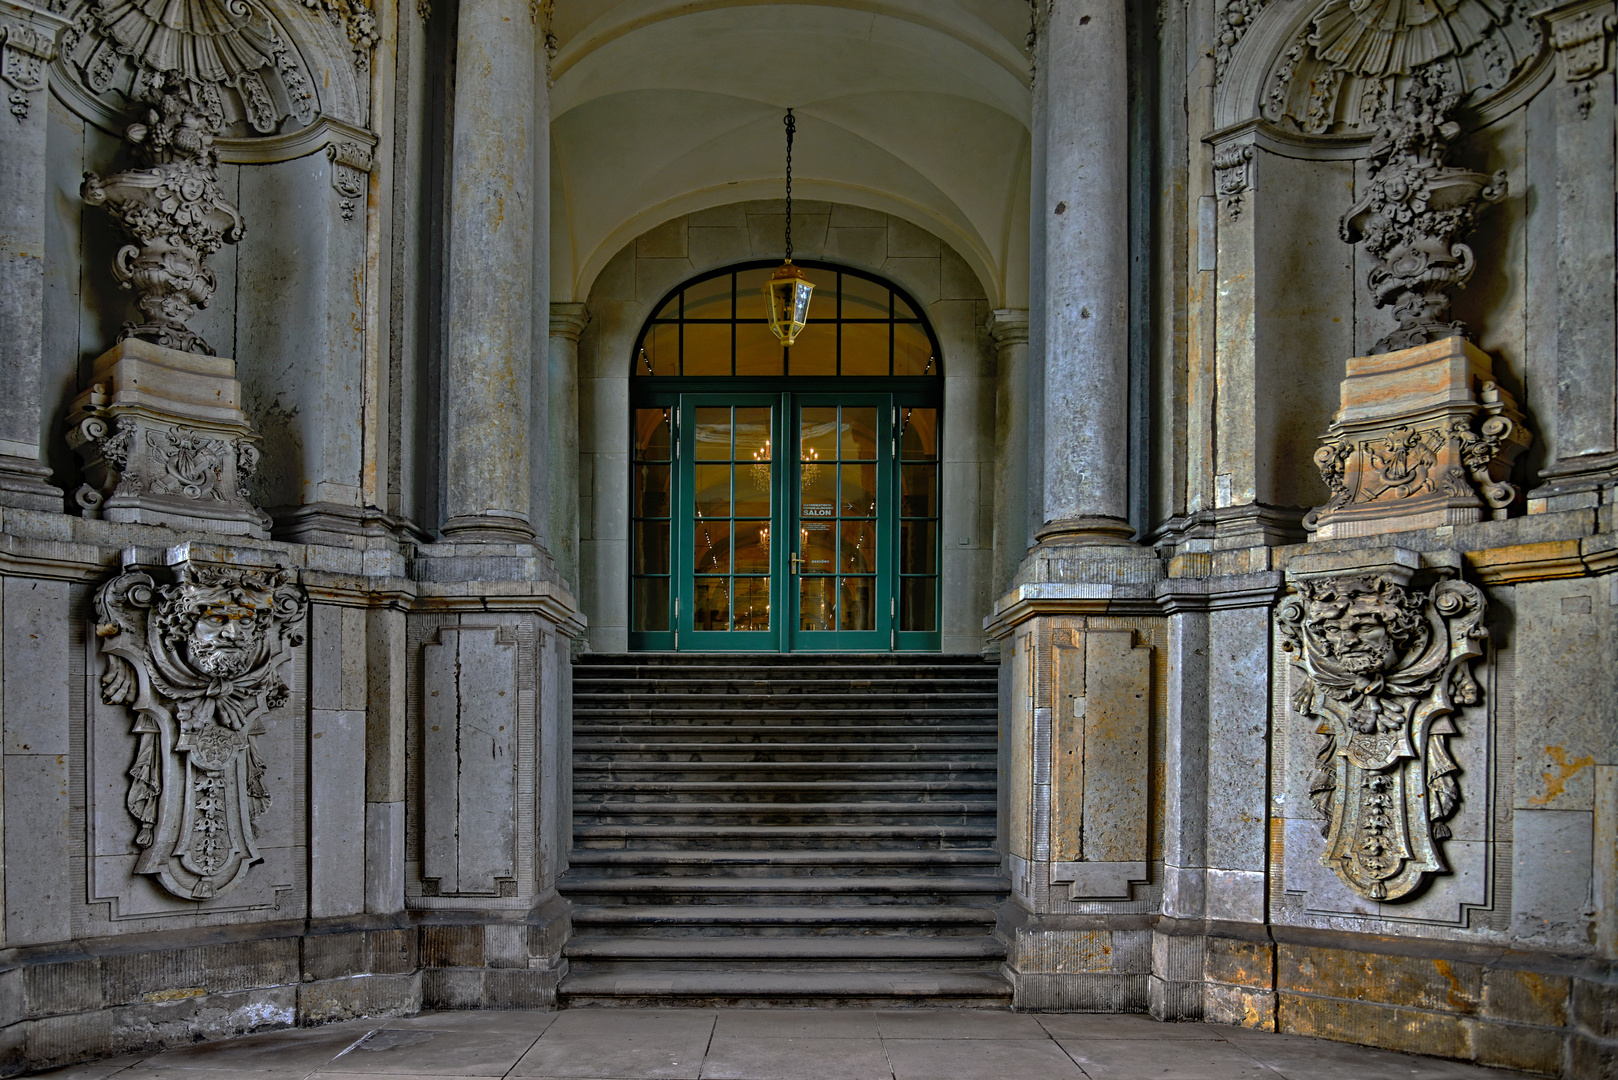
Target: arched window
pixel 831 545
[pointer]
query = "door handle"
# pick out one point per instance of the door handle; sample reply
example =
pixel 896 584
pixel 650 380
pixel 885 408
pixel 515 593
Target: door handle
pixel 795 561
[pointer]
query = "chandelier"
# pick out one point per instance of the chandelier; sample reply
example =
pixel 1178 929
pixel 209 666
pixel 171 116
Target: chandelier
pixel 789 289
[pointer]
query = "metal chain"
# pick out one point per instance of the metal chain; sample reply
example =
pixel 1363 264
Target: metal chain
pixel 792 127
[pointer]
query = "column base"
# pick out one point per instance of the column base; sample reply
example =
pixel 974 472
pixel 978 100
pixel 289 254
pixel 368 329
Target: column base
pixel 489 528
pixel 336 525
pixel 1092 550
pixel 25 484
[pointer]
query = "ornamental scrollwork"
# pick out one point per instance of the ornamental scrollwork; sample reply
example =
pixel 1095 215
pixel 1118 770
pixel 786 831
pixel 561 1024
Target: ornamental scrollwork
pixel 1383 666
pixel 199 660
pixel 24 52
pixel 1413 214
pixel 174 214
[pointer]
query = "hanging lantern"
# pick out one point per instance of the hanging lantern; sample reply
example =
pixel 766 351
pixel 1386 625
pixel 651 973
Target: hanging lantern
pixel 789 293
pixel 789 288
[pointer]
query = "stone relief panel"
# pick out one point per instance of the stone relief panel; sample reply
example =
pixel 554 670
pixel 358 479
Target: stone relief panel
pixel 198 666
pixel 24 52
pixel 1382 662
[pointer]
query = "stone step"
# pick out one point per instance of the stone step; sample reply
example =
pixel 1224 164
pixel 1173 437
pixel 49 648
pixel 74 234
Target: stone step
pixel 785 743
pixel 754 917
pixel 888 789
pixel 797 767
pixel 810 949
pixel 834 810
pixel 756 712
pixel 842 888
pixel 858 736
pixel 650 986
pixel 789 753
pixel 710 861
pixel 797 833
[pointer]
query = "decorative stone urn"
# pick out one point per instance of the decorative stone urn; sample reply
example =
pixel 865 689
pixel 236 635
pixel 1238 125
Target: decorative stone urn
pixel 1425 437
pixel 1413 214
pixel 163 440
pixel 174 214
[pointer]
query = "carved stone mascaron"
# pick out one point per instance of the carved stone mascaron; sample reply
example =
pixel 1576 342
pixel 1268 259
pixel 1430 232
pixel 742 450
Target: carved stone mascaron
pixel 199 661
pixel 1383 662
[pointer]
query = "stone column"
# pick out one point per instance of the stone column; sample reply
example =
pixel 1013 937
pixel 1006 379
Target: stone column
pixel 567 323
pixel 1086 279
pixel 27 44
pixel 487 373
pixel 1009 329
pixel 1584 432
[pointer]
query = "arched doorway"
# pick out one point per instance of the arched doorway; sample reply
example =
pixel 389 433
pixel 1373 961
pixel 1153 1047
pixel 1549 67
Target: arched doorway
pixel 785 499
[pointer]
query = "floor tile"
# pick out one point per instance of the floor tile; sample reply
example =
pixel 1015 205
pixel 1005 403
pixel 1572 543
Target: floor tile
pixel 95 1070
pixel 957 1024
pixel 796 1023
pixel 515 1021
pixel 1297 1057
pixel 305 1048
pixel 1165 1059
pixel 421 1051
pixel 200 1070
pixel 641 1021
pixel 764 1058
pixel 979 1059
pixel 1126 1026
pixel 629 1052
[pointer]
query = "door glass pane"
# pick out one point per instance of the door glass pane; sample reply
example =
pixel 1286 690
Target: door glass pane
pixel 918 490
pixel 651 491
pixel 752 547
pixel 912 351
pixel 660 351
pixel 819 483
pixel 819 547
pixel 651 604
pixel 858 547
pixel 856 606
pixel 752 434
pixel 918 547
pixel 712 604
pixel 712 554
pixel 711 488
pixel 858 432
pixel 652 434
pixel 818 428
pixel 919 438
pixel 751 603
pixel 859 490
pixel 708 299
pixel 651 547
pixel 817 605
pixel 918 604
pixel 750 299
pixel 753 489
pixel 713 434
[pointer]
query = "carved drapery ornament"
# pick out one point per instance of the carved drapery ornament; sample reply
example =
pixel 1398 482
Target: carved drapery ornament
pixel 1383 665
pixel 175 215
pixel 199 661
pixel 1413 214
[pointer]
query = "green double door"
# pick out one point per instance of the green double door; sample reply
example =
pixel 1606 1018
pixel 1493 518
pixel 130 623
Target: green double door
pixel 784 522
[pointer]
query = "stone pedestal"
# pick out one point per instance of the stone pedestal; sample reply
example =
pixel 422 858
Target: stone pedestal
pixel 164 441
pixel 1425 437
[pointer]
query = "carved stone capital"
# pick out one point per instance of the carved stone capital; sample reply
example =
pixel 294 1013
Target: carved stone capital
pixel 1424 438
pixel 196 653
pixel 350 171
pixel 1383 649
pixel 163 441
pixel 1581 43
pixel 568 320
pixel 1007 326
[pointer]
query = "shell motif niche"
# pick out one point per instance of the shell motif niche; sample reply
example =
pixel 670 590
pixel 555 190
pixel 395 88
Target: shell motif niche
pixel 1352 59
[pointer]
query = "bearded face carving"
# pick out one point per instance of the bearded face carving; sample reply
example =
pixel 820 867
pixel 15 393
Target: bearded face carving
pixel 200 662
pixel 1382 666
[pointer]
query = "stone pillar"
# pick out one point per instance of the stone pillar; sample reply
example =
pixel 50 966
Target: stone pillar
pixel 487 373
pixel 1086 279
pixel 1584 433
pixel 1009 329
pixel 27 44
pixel 567 323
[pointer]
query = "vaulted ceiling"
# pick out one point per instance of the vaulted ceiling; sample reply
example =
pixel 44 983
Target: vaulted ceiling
pixel 919 108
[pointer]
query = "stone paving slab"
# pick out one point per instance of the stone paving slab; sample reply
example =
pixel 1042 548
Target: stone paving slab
pixel 776 1044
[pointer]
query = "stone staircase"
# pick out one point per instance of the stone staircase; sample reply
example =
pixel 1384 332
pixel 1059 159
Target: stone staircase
pixel 784 829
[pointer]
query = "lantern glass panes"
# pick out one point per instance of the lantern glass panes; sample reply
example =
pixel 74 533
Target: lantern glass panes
pixel 789 290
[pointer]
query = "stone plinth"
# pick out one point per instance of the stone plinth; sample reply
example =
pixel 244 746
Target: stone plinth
pixel 1424 437
pixel 163 441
